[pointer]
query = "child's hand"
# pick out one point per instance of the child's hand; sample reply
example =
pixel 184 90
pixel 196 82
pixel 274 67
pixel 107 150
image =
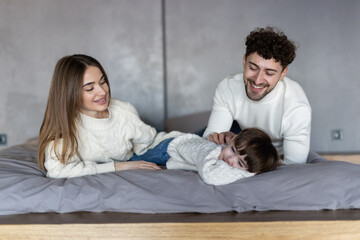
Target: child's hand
pixel 136 165
pixel 281 163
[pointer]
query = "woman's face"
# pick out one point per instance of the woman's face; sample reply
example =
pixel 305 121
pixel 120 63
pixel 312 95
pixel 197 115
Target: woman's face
pixel 95 93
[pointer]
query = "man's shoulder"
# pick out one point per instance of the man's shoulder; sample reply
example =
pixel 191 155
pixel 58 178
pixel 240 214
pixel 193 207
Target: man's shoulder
pixel 293 88
pixel 294 94
pixel 117 105
pixel 237 77
pixel 232 81
pixel 291 84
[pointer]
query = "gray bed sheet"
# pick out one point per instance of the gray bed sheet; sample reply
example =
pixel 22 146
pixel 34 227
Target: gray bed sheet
pixel 317 185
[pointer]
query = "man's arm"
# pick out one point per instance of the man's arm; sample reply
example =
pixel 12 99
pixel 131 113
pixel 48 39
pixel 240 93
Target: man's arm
pixel 221 118
pixel 297 135
pixel 221 138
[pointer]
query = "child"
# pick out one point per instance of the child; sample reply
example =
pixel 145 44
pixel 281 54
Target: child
pixel 248 153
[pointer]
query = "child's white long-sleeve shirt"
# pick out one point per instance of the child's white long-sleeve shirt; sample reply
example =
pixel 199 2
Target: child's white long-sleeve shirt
pixel 191 152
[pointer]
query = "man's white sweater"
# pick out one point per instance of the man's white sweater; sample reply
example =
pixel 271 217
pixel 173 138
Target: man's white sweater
pixel 284 114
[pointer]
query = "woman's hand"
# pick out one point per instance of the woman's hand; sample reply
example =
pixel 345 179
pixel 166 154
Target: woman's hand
pixel 136 165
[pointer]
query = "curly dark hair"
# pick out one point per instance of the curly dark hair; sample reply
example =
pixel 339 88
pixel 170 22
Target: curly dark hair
pixel 271 43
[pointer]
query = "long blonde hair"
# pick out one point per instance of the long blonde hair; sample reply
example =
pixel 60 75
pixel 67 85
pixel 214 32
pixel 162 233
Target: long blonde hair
pixel 63 105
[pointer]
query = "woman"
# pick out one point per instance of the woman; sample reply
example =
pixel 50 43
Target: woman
pixel 86 132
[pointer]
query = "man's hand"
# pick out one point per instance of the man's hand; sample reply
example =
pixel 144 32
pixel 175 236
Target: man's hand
pixel 136 165
pixel 221 138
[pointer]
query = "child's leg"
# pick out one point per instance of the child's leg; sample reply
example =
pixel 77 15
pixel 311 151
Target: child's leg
pixel 157 155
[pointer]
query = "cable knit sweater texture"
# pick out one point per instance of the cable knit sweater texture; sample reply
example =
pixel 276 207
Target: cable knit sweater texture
pixel 191 152
pixel 103 141
pixel 284 114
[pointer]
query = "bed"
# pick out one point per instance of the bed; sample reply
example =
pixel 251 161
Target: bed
pixel 320 199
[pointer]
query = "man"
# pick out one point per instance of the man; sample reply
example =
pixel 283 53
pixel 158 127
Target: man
pixel 263 97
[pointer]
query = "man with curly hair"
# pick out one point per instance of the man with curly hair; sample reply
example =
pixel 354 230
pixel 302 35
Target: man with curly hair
pixel 263 97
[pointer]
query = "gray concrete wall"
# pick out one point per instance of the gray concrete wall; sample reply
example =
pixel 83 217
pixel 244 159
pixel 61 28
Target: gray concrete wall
pixel 124 35
pixel 204 43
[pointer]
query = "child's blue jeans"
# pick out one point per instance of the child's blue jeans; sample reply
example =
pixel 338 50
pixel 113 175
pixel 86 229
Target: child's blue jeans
pixel 157 155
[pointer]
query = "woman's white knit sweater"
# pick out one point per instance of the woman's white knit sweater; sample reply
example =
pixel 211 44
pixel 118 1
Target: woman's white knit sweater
pixel 103 141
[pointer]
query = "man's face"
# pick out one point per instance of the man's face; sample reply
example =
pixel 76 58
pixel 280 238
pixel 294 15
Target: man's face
pixel 261 75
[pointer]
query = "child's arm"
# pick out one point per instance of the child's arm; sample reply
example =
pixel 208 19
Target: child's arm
pixel 191 152
pixel 217 172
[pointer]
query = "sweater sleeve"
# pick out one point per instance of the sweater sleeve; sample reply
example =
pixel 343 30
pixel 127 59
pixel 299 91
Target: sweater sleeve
pixel 74 167
pixel 143 137
pixel 221 117
pixel 217 172
pixel 191 152
pixel 297 135
pixel 141 134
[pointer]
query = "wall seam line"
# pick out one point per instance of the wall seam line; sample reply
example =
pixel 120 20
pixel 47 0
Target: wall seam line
pixel 163 24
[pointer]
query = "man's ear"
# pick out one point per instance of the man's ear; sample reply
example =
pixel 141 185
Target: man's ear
pixel 283 73
pixel 244 60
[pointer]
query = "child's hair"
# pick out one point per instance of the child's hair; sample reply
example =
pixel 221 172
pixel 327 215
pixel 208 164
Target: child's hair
pixel 261 155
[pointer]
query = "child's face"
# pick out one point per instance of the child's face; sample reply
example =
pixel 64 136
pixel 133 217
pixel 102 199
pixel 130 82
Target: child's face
pixel 232 157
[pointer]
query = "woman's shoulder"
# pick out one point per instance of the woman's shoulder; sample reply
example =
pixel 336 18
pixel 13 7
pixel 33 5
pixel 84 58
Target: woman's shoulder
pixel 117 105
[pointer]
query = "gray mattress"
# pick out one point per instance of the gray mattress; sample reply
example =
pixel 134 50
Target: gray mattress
pixel 317 185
